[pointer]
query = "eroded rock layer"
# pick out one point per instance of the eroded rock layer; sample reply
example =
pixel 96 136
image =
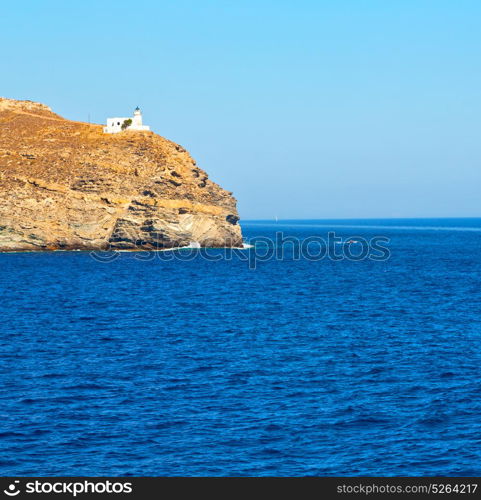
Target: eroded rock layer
pixel 66 185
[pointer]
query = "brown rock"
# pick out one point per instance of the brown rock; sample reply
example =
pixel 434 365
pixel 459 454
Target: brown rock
pixel 66 184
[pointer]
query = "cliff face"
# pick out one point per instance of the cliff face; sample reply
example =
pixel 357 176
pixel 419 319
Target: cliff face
pixel 66 185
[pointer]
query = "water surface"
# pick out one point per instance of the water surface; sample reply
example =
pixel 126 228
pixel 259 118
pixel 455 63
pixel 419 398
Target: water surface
pixel 299 367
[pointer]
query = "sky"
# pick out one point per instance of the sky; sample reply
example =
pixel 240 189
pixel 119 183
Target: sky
pixel 304 109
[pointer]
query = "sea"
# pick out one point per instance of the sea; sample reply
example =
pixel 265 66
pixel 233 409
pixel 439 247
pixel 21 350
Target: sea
pixel 273 360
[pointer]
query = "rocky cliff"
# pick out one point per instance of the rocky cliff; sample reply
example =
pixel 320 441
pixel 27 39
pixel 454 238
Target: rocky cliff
pixel 66 185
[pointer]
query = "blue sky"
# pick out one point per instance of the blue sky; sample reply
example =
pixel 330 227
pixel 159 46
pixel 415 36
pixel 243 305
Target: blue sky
pixel 306 109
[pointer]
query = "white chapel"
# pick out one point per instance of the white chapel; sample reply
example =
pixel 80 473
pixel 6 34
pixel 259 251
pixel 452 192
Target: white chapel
pixel 115 125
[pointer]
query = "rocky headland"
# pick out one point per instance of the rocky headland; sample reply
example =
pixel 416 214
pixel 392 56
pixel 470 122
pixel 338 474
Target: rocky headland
pixel 67 185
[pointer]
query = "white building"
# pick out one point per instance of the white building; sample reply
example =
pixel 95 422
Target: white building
pixel 115 125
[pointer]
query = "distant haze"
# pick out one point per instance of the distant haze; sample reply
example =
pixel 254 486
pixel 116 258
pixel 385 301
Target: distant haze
pixel 307 109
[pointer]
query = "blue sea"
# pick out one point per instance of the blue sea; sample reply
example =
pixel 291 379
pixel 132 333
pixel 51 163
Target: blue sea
pixel 141 365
